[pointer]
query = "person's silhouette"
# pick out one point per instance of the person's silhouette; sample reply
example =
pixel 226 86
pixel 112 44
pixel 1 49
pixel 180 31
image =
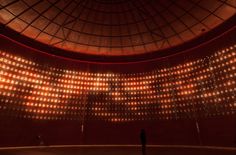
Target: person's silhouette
pixel 143 141
pixel 40 140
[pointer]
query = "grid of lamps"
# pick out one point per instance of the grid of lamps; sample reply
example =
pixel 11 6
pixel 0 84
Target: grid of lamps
pixel 205 87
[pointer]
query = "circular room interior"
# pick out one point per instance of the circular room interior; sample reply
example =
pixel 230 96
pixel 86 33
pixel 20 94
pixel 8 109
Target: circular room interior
pixel 135 77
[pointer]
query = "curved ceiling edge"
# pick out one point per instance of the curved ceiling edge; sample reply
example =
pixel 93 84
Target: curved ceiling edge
pixel 207 37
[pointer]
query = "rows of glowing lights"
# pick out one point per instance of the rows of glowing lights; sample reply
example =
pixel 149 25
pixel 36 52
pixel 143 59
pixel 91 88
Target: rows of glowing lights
pixel 198 88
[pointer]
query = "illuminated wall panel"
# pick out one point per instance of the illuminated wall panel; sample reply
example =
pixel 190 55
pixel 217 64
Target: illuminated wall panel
pixel 203 87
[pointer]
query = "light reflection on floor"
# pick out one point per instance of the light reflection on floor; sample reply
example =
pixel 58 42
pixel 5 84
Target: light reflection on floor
pixel 118 150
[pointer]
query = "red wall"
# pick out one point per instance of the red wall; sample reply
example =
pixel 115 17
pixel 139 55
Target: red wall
pixel 158 132
pixel 213 131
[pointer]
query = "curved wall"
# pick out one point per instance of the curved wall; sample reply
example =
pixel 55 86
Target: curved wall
pixel 199 88
pixel 80 103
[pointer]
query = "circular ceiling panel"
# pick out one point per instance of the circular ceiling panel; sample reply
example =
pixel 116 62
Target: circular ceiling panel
pixel 114 27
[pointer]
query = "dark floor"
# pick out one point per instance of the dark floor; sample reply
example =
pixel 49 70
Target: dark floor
pixel 117 151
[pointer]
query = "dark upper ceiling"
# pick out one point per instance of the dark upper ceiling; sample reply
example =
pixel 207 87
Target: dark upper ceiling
pixel 114 27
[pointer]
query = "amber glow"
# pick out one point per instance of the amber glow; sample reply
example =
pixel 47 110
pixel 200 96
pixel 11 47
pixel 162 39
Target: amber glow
pixel 200 88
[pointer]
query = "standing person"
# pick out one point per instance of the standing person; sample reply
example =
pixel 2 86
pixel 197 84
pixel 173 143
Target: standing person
pixel 143 141
pixel 40 140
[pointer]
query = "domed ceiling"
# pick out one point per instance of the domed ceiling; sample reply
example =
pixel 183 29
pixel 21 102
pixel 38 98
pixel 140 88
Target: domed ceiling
pixel 114 27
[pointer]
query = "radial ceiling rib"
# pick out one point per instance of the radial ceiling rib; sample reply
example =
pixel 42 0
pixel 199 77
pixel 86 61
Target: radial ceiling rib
pixel 117 27
pixel 52 20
